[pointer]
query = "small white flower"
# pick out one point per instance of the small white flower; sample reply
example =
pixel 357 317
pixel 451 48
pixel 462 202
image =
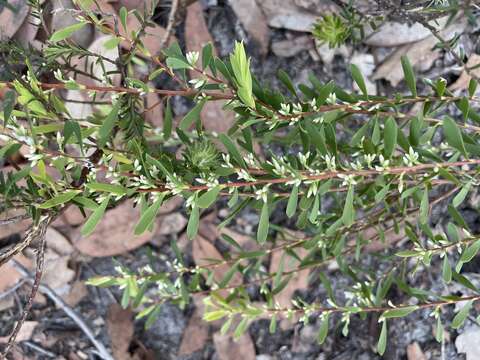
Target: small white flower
pixel 330 162
pixel 198 83
pixel 348 179
pixel 297 108
pixel 285 109
pixel 369 158
pixel 411 158
pixel 262 194
pixel 384 164
pixel 332 99
pixel 192 57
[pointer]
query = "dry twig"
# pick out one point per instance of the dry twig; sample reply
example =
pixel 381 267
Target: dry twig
pixel 102 350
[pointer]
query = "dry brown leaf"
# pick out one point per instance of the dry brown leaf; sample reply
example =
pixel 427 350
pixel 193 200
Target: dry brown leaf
pixel 229 349
pixel 195 335
pixel 152 39
pixel 25 333
pixel 77 292
pixel 287 15
pixel 170 224
pixel 13 228
pixel 421 55
pixel 120 329
pixel 114 234
pixel 7 302
pixel 393 34
pixel 291 47
pixel 299 280
pixel 214 118
pixel 253 20
pixel 10 275
pixel 57 274
pixel 203 253
pixel 464 79
pixel 58 242
pixel 154 110
pixel 169 206
pixel 72 216
pixel 28 31
pixel 62 17
pixel 135 4
pixel 11 21
pixel 414 352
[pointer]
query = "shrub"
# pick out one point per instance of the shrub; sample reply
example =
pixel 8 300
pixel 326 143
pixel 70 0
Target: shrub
pixel 348 169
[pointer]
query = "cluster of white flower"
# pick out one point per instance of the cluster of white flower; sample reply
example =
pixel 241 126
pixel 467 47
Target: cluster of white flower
pixel 192 57
pixel 411 159
pixel 262 194
pixel 175 185
pixel 210 180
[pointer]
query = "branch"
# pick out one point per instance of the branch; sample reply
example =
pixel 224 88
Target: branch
pixel 36 233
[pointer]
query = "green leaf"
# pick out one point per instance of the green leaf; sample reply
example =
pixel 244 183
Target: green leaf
pixel 70 128
pixel 439 330
pixel 323 331
pixel 8 104
pixel 272 328
pixel 177 64
pixel 226 326
pixel 458 199
pixel 263 224
pixel 59 199
pixel 167 121
pixel 192 226
pixel 149 215
pixel 382 340
pixel 453 135
pixel 358 77
pixel 407 253
pixel 424 207
pixel 112 43
pixel 390 137
pixel 9 149
pixel 123 17
pixel 472 87
pixel 207 55
pixel 409 75
pixel 285 79
pixel 110 188
pixel 108 124
pixel 66 32
pixel 232 149
pixel 459 319
pixel 215 315
pixel 241 328
pixel 208 198
pixel 446 270
pixel 348 216
pixel 153 314
pixel 470 252
pixel 292 202
pixel 96 216
pixel 193 115
pixel 155 73
pixel 241 70
pixel 400 312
